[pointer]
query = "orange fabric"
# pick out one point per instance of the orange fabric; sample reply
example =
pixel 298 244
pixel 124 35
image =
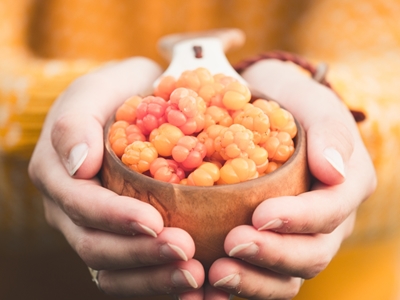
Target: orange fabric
pixel 361 42
pixel 45 44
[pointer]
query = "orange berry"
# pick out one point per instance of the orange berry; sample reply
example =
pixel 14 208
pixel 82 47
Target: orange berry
pixel 189 152
pixel 254 119
pixel 208 136
pixel 236 96
pixel 127 111
pixel 139 155
pixel 165 87
pixel 234 141
pixel 279 146
pixel 272 166
pixel 238 170
pixel 166 170
pixel 212 93
pixel 267 106
pixel 165 138
pixel 205 175
pixel 260 158
pixel 195 79
pixel 217 115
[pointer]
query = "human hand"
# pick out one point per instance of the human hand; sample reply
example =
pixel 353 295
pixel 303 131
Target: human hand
pixel 295 238
pixel 121 236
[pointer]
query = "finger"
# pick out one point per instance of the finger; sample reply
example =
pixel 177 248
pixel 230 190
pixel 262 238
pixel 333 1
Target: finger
pixel 208 292
pixel 106 251
pixel 323 208
pixel 84 108
pixel 244 280
pixel 331 130
pixel 172 278
pixel 297 255
pixel 87 203
pixel 191 295
pixel 90 205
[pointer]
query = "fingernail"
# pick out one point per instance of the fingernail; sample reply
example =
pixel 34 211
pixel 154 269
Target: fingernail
pixel 335 160
pixel 76 158
pixel 143 229
pixel 171 251
pixel 182 277
pixel 229 282
pixel 244 250
pixel 273 224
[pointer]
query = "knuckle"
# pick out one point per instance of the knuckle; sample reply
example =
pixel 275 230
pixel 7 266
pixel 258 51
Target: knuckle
pixel 60 126
pixel 319 264
pixel 71 208
pixel 85 246
pixel 276 260
pixel 105 284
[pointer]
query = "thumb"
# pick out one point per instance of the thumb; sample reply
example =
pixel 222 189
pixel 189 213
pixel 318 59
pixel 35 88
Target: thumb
pixel 78 140
pixel 79 115
pixel 329 126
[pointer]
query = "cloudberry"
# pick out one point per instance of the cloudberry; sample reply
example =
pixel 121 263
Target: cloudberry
pixel 166 170
pixel 164 138
pixel 139 155
pixel 205 175
pixel 150 113
pixel 127 111
pixel 189 152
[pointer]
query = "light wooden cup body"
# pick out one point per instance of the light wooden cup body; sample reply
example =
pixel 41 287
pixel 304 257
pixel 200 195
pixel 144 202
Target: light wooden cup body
pixel 208 213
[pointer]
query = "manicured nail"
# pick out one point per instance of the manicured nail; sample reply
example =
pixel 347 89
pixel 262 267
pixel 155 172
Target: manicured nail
pixel 273 224
pixel 229 282
pixel 143 229
pixel 182 277
pixel 76 158
pixel 335 160
pixel 171 251
pixel 244 250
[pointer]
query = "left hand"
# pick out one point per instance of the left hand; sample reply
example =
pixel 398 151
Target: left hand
pixel 295 238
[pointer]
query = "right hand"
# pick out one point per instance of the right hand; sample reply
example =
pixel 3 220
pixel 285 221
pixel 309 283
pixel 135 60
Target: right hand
pixel 121 236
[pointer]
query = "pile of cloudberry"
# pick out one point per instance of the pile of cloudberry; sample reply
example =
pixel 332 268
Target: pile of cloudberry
pixel 201 129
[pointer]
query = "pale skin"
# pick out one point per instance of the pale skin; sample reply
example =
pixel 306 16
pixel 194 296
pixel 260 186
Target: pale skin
pixel 126 239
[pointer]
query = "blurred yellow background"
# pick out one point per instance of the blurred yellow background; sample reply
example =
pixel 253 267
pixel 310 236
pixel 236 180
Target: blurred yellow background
pixel 45 44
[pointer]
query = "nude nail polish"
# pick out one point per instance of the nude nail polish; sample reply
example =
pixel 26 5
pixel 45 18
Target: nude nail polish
pixel 273 224
pixel 174 252
pixel 181 277
pixel 76 158
pixel 229 282
pixel 335 160
pixel 139 228
pixel 244 250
